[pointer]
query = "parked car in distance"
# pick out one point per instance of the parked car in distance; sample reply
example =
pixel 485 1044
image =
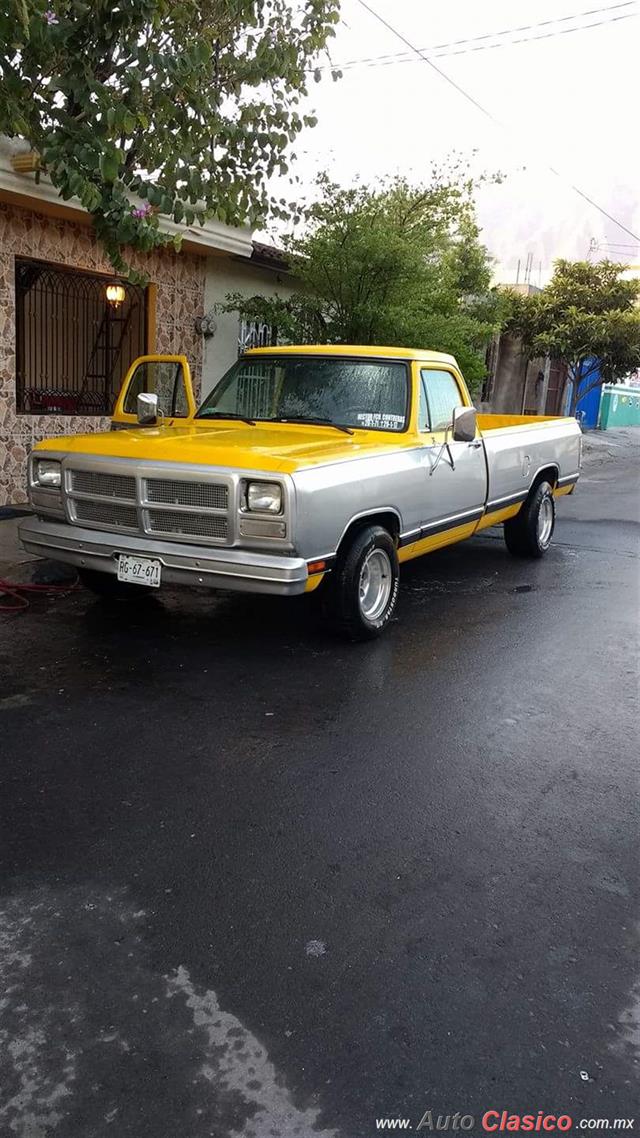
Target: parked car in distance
pixel 315 467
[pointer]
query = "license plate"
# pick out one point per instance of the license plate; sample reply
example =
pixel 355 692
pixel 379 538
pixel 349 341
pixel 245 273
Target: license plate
pixel 139 571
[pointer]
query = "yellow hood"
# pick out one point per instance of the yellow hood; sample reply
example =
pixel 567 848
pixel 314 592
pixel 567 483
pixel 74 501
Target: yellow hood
pixel 282 447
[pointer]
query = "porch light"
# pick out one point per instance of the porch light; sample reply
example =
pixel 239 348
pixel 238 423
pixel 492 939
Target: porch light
pixel 116 294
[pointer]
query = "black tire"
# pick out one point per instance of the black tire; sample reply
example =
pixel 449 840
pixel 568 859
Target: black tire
pixel 356 568
pixel 108 586
pixel 529 533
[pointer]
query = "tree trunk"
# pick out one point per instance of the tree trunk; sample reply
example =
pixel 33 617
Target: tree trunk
pixel 577 381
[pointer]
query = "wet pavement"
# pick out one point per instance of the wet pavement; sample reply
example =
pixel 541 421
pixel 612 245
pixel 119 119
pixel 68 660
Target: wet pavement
pixel 259 882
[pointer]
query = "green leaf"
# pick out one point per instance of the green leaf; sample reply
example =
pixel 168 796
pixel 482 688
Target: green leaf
pixel 109 166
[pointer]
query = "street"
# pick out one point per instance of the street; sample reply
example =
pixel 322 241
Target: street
pixel 257 881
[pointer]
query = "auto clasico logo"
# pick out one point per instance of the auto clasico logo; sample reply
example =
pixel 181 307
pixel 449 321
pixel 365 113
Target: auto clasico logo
pixel 500 1121
pixel 496 1121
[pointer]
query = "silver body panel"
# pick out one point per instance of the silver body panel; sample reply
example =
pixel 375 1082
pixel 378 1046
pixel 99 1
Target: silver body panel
pixel 192 518
pixel 514 456
pixel 428 491
pixel 406 483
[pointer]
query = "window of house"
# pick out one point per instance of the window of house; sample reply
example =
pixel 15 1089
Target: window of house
pixel 256 334
pixel 254 388
pixel 441 393
pixel 73 347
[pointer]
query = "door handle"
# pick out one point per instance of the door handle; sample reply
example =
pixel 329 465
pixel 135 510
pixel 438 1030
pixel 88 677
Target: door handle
pixel 476 443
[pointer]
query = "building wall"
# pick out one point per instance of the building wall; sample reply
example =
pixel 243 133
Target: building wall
pixel 509 380
pixel 180 293
pixel 226 275
pixel 517 387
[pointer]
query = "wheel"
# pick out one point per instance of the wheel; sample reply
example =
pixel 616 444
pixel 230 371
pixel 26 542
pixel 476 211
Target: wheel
pixel 107 585
pixel 529 533
pixel 364 590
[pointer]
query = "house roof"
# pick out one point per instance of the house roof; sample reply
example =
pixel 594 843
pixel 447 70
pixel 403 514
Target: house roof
pixel 270 256
pixel 22 189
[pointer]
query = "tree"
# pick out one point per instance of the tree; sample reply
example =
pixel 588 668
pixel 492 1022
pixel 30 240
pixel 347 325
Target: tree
pixel 189 106
pixel 588 317
pixel 396 265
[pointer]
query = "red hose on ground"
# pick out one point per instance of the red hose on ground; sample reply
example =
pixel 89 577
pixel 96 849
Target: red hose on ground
pixel 14 589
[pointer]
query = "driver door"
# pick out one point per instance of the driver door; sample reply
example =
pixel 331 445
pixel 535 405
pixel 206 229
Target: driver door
pixel 168 377
pixel 455 473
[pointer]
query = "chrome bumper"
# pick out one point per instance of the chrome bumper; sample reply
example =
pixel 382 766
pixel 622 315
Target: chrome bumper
pixel 181 564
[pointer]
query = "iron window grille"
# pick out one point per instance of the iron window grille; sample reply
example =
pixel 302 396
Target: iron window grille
pixel 256 334
pixel 72 346
pixel 253 394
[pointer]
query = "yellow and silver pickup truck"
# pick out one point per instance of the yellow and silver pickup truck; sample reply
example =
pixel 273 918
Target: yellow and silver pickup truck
pixel 305 467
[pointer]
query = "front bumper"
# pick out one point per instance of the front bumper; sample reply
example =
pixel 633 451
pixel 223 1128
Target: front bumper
pixel 181 564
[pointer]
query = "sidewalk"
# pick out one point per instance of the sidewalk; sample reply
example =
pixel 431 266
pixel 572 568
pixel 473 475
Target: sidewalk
pixel 15 562
pixel 599 447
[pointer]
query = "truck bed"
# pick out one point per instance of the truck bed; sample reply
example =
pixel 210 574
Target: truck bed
pixel 501 422
pixel 519 446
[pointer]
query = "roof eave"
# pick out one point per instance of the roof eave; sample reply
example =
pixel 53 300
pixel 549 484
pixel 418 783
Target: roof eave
pixel 212 238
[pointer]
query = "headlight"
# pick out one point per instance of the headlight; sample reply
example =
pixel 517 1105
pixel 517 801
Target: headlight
pixel 46 472
pixel 264 497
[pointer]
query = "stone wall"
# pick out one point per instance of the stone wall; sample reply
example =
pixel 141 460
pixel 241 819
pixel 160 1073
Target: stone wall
pixel 180 281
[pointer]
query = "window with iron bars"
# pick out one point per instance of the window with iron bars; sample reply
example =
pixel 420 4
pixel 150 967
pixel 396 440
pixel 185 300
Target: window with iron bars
pixel 73 346
pixel 253 393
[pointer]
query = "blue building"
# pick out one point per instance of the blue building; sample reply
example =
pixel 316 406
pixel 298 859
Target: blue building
pixel 589 403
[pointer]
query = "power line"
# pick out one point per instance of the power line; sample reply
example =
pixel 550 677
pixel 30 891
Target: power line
pixel 392 61
pixel 616 250
pixel 441 51
pixel 487 114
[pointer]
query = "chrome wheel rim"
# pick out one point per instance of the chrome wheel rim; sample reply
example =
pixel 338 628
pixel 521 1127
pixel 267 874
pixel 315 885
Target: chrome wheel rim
pixel 545 521
pixel 374 588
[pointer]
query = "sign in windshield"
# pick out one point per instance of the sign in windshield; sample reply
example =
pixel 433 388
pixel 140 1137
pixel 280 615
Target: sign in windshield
pixel 355 393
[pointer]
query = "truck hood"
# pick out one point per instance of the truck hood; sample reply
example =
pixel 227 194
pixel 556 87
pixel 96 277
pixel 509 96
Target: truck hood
pixel 281 447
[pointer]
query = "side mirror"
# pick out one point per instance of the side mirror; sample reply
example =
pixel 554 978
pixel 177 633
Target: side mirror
pixel 463 425
pixel 147 408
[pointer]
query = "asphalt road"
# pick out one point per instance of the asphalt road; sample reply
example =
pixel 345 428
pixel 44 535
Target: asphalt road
pixel 259 882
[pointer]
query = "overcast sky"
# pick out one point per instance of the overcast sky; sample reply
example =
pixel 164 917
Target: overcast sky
pixel 568 100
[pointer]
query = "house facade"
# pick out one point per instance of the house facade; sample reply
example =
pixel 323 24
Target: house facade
pixel 69 328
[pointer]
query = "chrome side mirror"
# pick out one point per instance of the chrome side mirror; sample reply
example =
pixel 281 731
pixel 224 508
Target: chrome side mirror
pixel 463 424
pixel 147 406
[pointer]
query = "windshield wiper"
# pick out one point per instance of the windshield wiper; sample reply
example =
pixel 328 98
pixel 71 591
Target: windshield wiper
pixel 225 415
pixel 310 419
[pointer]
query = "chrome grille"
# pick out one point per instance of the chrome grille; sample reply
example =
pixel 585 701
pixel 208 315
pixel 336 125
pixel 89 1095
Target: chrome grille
pixel 173 491
pixel 112 515
pixel 103 485
pixel 182 509
pixel 189 525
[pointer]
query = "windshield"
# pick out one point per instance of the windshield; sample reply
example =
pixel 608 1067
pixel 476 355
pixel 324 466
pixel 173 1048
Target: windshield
pixel 366 394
